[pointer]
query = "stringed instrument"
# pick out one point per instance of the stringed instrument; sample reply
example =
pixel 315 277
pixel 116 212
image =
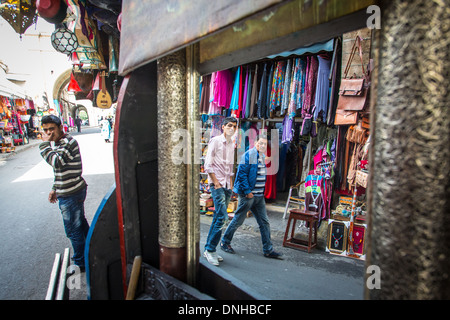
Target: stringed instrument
pixel 103 97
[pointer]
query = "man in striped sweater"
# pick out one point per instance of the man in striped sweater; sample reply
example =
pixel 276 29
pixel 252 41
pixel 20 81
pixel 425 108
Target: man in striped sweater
pixel 69 187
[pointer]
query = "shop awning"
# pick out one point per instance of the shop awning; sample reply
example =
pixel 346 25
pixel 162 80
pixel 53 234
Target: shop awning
pixel 11 90
pixel 315 48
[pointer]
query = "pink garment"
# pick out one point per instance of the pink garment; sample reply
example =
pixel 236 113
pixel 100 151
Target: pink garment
pixel 310 87
pixel 318 158
pixel 220 159
pixel 223 88
pixel 213 107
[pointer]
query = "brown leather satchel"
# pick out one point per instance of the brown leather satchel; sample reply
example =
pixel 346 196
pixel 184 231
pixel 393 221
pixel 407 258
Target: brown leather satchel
pixel 353 93
pixel 345 117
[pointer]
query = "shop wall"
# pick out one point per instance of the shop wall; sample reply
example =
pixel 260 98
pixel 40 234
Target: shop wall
pixel 347 45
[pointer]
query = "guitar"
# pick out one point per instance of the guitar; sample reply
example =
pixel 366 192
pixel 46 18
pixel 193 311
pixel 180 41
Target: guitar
pixel 103 97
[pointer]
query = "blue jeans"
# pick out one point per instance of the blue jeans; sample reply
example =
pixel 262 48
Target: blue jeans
pixel 258 207
pixel 221 198
pixel 75 223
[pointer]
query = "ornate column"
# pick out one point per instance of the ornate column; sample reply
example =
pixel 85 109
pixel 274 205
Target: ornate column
pixel 172 186
pixel 179 221
pixel 410 190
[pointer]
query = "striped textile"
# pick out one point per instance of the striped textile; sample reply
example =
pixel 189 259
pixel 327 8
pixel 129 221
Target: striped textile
pixel 260 178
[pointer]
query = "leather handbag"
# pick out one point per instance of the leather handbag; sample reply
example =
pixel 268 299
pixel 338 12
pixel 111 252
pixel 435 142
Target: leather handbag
pixel 345 117
pixel 353 93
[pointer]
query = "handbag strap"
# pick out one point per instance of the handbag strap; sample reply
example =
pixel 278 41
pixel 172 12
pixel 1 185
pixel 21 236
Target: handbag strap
pixel 352 54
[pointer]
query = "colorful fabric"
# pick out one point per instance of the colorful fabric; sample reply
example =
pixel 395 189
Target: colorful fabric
pixel 277 85
pixel 286 87
pixel 234 103
pixel 310 85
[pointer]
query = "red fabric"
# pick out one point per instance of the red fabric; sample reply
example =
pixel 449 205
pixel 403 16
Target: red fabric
pixel 73 85
pixel 270 191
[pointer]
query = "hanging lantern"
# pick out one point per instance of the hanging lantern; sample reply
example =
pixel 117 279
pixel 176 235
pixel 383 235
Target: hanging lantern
pixel 20 14
pixel 64 41
pixel 52 11
pixel 73 85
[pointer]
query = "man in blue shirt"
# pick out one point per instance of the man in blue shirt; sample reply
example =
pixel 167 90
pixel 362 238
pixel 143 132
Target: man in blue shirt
pixel 249 185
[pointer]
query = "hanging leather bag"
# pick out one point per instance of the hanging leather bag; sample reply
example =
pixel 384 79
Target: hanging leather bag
pixel 353 93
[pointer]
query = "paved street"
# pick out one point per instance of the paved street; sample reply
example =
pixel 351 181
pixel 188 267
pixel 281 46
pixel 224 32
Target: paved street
pixel 299 276
pixel 31 229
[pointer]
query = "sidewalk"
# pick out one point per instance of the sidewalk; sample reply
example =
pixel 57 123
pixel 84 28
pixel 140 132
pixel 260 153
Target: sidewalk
pixel 300 275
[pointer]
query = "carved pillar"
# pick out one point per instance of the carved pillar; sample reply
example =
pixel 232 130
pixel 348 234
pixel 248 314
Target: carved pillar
pixel 409 187
pixel 172 186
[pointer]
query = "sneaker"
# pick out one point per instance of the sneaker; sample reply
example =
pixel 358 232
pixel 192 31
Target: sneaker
pixel 211 257
pixel 273 255
pixel 219 258
pixel 226 248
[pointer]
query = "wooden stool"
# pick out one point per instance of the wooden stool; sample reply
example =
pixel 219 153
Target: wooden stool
pixel 308 216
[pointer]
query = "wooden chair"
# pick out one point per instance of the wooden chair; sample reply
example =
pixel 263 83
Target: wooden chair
pixel 289 236
pixel 294 198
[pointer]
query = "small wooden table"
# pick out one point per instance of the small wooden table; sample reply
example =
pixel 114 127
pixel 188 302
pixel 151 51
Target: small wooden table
pixel 309 216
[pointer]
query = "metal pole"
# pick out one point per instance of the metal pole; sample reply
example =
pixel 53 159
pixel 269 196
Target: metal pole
pixel 193 167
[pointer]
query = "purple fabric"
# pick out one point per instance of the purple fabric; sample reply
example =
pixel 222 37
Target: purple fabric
pixel 288 131
pixel 244 99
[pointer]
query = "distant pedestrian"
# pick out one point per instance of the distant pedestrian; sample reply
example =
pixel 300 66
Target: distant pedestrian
pixel 249 185
pixel 219 163
pixel 78 123
pixel 69 187
pixel 106 129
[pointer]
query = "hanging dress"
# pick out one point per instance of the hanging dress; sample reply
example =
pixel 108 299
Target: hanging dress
pixel 262 94
pixel 286 87
pixel 270 190
pixel 213 107
pixel 234 102
pixel 322 89
pixel 223 88
pixel 253 95
pixel 266 108
pixel 245 93
pixel 246 110
pixel 310 86
pixel 277 85
pixel 204 99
